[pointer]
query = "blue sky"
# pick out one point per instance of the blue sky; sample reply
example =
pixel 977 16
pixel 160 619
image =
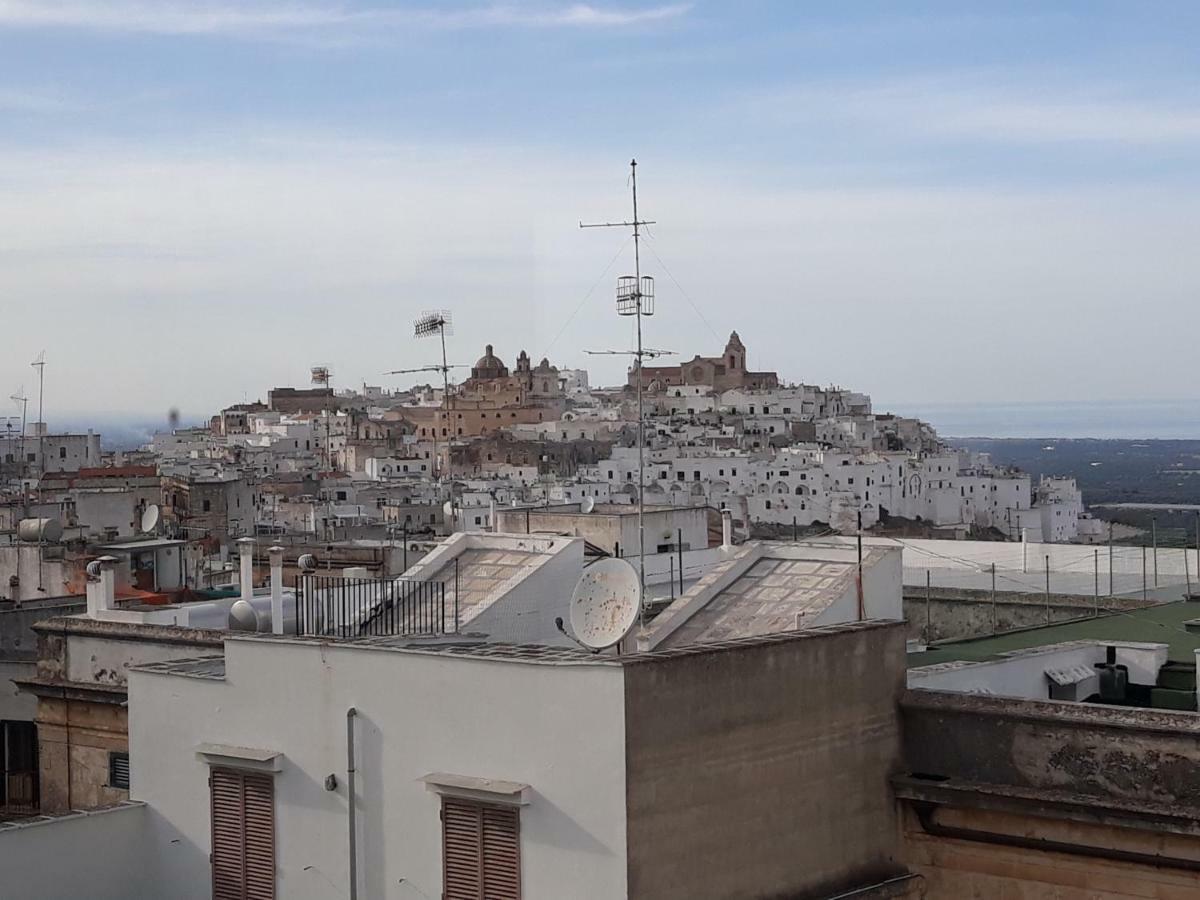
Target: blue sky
pixel 933 202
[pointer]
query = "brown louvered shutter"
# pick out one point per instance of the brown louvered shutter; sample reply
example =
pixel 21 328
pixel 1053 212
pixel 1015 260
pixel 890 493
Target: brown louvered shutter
pixel 501 853
pixel 481 851
pixel 243 835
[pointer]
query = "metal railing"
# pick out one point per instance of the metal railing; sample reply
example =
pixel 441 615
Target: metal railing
pixel 330 605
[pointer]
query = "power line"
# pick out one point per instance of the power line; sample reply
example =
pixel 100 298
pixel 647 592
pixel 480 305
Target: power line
pixel 679 287
pixel 586 297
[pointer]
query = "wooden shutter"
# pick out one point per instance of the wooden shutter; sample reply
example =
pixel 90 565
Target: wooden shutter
pixel 481 851
pixel 243 835
pixel 501 853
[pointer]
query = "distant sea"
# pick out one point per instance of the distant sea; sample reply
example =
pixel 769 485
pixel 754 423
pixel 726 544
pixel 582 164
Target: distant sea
pixel 1113 420
pixel 1116 420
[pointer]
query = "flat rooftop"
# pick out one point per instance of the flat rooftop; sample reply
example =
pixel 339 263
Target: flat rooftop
pixel 213 667
pixel 1162 624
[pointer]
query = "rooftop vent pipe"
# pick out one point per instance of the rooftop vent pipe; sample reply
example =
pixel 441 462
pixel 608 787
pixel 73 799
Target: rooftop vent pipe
pixel 246 575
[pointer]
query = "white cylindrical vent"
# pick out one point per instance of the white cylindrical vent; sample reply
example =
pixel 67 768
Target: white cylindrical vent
pixel 246 573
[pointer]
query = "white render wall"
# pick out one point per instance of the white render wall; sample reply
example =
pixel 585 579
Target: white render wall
pixel 99 855
pixel 558 728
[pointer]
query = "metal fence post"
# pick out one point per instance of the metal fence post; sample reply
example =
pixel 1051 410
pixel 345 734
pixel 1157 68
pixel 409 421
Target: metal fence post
pixel 1110 559
pixel 455 596
pixel 928 608
pixel 993 598
pixel 1144 597
pixel 1154 537
pixel 1096 586
pixel 1047 588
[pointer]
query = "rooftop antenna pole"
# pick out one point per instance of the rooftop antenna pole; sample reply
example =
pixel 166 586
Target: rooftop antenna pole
pixel 40 365
pixel 20 397
pixel 429 324
pixel 635 298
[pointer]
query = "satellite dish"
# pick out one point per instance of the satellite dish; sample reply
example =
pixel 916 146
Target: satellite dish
pixel 150 518
pixel 588 504
pixel 604 606
pixel 448 509
pixel 307 563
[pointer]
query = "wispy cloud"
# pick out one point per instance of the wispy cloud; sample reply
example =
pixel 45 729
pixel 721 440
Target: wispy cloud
pixel 977 109
pixel 26 101
pixel 259 20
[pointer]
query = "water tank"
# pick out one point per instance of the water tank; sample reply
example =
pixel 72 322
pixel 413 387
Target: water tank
pixel 46 531
pixel 242 617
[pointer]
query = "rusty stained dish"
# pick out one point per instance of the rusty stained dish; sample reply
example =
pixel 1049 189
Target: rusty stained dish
pixel 604 606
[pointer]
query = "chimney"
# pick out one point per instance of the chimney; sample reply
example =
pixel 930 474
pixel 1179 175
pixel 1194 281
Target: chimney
pixel 726 529
pixel 246 558
pixel 276 553
pixel 101 586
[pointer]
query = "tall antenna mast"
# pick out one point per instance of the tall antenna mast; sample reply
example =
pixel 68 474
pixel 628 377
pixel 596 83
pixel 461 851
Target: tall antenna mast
pixel 635 297
pixel 437 322
pixel 40 365
pixel 20 397
pixel 323 375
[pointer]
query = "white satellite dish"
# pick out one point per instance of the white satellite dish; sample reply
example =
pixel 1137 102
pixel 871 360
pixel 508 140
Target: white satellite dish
pixel 604 606
pixel 150 518
pixel 448 510
pixel 588 504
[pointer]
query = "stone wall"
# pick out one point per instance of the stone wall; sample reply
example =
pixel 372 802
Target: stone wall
pixel 954 613
pixel 1030 799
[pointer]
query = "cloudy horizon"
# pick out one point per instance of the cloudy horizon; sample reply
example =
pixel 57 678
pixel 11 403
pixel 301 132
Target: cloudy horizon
pixel 199 201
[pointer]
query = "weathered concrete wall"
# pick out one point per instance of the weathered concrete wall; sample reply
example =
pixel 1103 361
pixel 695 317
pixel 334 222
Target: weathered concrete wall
pixel 953 613
pixel 762 771
pixel 1115 753
pixel 74 740
pixel 955 868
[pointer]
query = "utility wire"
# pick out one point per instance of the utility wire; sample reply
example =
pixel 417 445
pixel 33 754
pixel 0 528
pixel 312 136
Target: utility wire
pixel 678 286
pixel 586 297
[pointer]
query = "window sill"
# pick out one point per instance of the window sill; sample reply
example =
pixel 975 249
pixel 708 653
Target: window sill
pixel 485 790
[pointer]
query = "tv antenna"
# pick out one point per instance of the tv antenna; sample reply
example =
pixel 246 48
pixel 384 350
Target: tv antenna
pixel 20 397
pixel 436 322
pixel 635 297
pixel 322 375
pixel 40 365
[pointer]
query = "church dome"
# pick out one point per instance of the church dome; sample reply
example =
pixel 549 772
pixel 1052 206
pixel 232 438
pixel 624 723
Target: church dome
pixel 489 366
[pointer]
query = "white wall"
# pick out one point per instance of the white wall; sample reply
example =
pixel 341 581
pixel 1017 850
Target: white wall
pixel 99 855
pixel 558 728
pixel 1022 673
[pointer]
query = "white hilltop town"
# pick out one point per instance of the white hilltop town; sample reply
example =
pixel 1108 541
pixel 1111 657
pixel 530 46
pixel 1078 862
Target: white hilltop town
pixel 222 648
pixel 518 637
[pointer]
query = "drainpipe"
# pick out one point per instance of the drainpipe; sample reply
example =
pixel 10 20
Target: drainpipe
pixel 350 714
pixel 246 559
pixel 276 553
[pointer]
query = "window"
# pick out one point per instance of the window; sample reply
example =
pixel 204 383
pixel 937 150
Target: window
pixel 481 851
pixel 118 770
pixel 18 764
pixel 207 505
pixel 242 807
pixel 62 452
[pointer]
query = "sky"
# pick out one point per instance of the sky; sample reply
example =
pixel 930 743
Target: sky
pixel 937 203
